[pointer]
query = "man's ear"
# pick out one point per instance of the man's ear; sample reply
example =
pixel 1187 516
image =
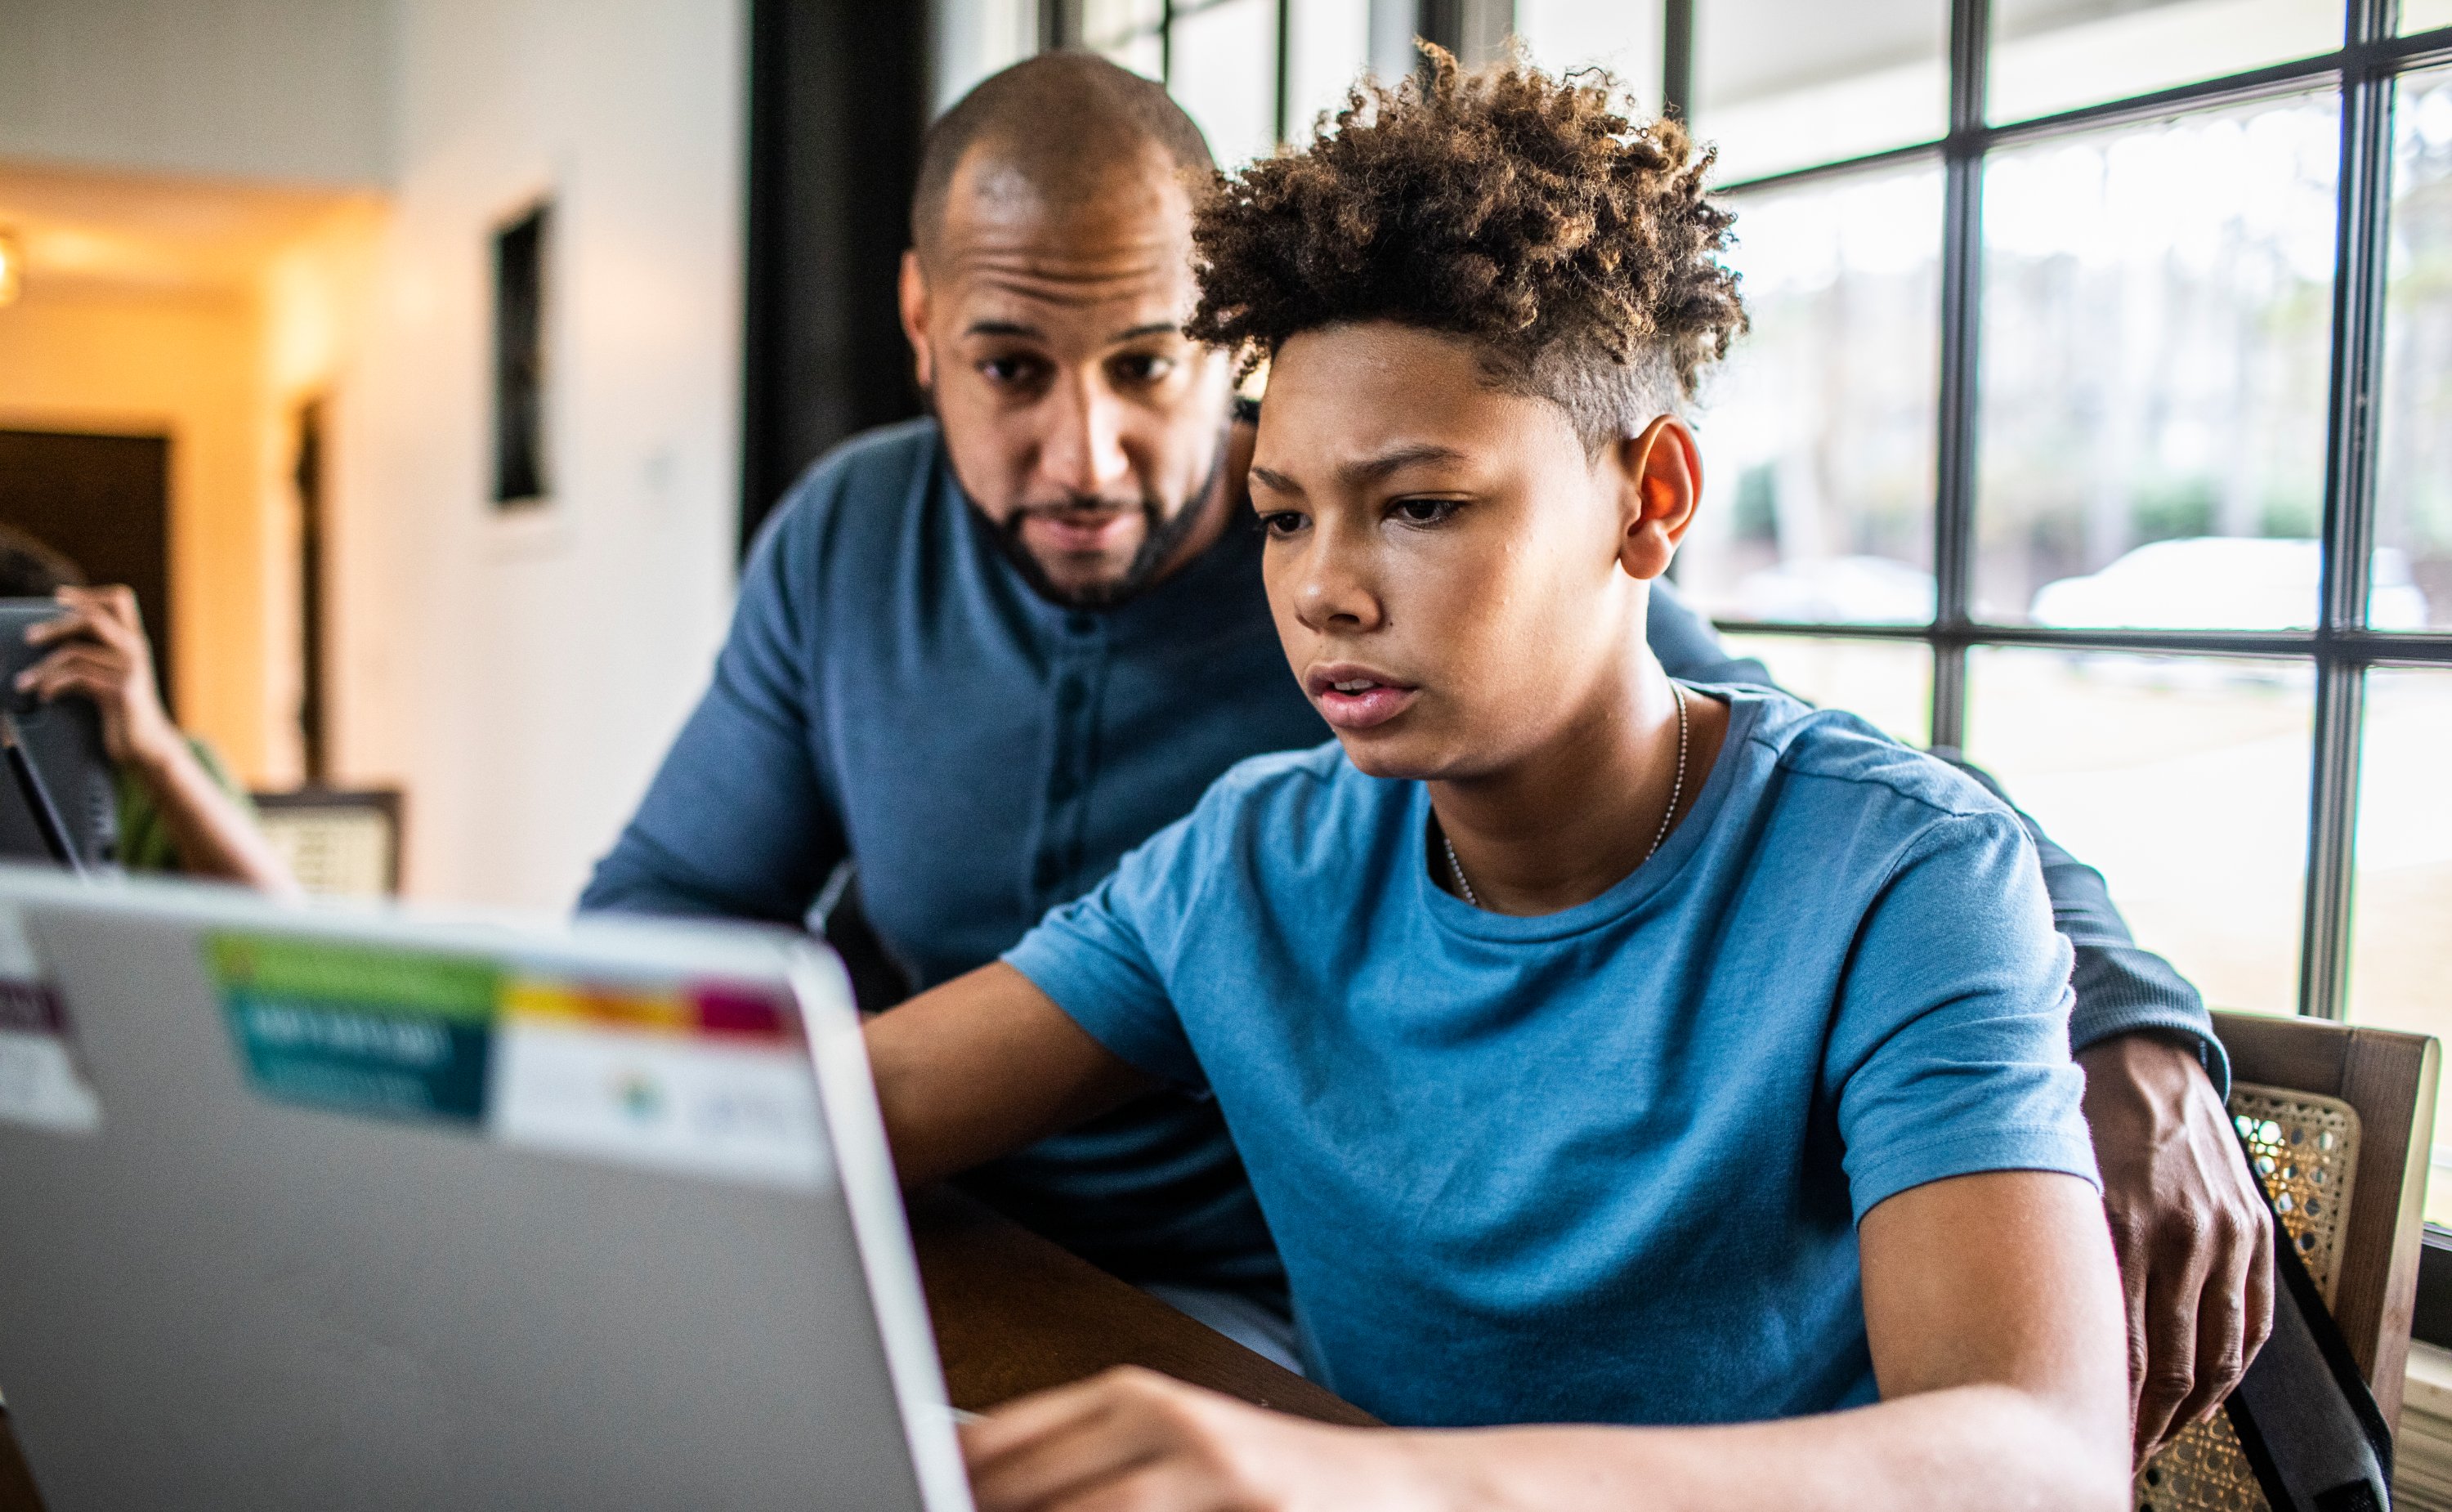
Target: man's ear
pixel 912 296
pixel 1660 478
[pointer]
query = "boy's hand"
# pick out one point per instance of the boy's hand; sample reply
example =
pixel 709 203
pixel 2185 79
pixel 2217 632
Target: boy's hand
pixel 103 655
pixel 1131 1439
pixel 2191 1231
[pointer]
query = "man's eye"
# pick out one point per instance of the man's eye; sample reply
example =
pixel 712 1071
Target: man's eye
pixel 1282 522
pixel 1010 371
pixel 1424 511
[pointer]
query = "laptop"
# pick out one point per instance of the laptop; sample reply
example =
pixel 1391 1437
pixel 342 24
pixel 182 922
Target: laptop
pixel 326 1207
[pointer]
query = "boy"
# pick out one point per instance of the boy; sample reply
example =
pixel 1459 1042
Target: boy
pixel 1603 1051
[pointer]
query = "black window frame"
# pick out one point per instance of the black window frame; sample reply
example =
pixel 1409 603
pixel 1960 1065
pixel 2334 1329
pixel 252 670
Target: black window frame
pixel 2340 648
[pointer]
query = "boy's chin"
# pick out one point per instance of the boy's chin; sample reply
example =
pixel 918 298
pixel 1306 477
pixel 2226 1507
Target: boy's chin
pixel 1389 754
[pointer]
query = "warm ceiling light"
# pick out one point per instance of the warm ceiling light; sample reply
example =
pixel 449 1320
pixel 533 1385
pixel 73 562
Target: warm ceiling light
pixel 12 268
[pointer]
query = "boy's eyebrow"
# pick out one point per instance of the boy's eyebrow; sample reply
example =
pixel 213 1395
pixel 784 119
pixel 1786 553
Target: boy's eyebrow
pixel 1370 469
pixel 1275 483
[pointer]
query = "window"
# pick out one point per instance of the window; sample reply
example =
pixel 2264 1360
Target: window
pixel 2052 443
pixel 1253 72
pixel 521 249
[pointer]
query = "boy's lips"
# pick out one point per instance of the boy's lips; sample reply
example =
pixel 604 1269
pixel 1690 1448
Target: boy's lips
pixel 1356 698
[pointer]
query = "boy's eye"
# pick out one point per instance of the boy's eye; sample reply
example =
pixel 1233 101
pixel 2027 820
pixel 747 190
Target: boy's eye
pixel 1424 511
pixel 1282 523
pixel 1142 368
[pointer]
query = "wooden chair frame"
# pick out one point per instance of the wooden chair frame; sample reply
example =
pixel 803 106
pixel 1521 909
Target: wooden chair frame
pixel 2389 1077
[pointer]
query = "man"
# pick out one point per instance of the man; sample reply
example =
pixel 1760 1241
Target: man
pixel 986 654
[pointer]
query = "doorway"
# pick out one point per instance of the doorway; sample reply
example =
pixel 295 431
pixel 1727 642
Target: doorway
pixel 105 502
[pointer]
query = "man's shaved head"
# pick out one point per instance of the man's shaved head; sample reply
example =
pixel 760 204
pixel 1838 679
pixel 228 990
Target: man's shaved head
pixel 1063 124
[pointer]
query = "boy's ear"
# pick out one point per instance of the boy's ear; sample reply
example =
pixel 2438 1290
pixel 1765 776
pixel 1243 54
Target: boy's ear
pixel 1660 478
pixel 912 296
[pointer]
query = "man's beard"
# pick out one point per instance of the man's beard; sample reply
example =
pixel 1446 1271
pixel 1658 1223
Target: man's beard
pixel 1164 535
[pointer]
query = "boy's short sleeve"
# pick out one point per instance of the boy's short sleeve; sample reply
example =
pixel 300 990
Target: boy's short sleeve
pixel 1950 1055
pixel 1103 957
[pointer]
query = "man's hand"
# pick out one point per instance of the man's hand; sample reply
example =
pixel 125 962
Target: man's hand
pixel 1133 1439
pixel 2191 1231
pixel 103 655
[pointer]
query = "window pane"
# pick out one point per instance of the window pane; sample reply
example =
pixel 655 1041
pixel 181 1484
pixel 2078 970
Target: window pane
pixel 1144 52
pixel 2157 334
pixel 2413 565
pixel 2401 949
pixel 2424 15
pixel 972 39
pixel 1225 61
pixel 2055 56
pixel 2183 780
pixel 1620 35
pixel 1784 84
pixel 1887 683
pixel 1106 23
pixel 1329 47
pixel 1817 435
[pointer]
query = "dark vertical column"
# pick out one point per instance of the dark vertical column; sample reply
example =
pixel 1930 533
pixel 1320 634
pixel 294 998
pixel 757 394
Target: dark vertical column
pixel 1961 318
pixel 1285 69
pixel 314 720
pixel 1677 59
pixel 1440 21
pixel 837 99
pixel 2360 256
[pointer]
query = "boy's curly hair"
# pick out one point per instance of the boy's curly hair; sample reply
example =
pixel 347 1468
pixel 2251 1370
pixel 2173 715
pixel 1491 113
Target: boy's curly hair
pixel 1573 244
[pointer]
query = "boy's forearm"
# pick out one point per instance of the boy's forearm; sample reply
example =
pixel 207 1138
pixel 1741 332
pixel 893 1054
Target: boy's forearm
pixel 1968 1448
pixel 981 1067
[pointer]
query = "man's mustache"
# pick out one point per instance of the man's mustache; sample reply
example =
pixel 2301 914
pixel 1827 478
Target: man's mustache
pixel 1077 506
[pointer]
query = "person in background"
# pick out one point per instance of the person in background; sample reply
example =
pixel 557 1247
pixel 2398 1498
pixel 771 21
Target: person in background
pixel 178 809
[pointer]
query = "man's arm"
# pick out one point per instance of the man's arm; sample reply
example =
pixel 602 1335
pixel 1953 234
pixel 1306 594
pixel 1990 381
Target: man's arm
pixel 737 821
pixel 2191 1229
pixel 1993 1312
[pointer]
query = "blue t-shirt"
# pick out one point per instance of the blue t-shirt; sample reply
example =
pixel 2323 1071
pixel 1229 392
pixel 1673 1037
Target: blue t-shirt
pixel 1602 1165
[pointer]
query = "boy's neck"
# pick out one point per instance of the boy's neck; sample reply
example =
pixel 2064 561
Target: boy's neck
pixel 1574 818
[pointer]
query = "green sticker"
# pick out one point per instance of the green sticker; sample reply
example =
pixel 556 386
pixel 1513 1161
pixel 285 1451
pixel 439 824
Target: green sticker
pixel 336 1025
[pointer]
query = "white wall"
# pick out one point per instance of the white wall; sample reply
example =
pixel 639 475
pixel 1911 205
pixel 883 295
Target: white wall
pixel 519 676
pixel 258 89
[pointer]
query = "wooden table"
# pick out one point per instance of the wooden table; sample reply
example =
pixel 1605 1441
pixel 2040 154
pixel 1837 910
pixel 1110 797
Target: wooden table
pixel 1015 1314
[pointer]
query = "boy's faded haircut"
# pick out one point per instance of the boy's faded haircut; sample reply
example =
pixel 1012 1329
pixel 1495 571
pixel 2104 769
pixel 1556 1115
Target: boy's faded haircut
pixel 1572 242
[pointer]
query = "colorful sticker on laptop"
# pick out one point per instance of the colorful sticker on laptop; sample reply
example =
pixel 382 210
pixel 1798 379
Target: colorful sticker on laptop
pixel 699 1078
pixel 342 1025
pixel 42 1085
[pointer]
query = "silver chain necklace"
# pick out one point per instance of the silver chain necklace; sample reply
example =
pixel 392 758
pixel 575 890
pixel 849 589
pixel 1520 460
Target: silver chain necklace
pixel 1676 792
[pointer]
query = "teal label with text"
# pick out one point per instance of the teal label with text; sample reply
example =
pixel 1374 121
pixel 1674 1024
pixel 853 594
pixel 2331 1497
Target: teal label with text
pixel 342 1025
